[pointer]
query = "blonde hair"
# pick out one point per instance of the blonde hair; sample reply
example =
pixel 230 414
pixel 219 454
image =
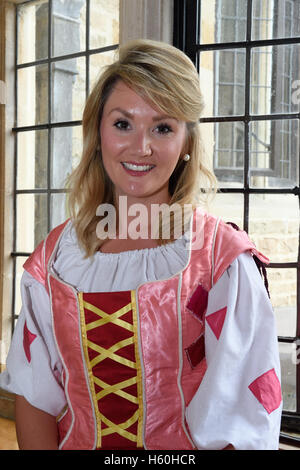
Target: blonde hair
pixel 163 75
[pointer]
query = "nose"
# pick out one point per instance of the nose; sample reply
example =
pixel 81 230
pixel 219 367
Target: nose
pixel 141 145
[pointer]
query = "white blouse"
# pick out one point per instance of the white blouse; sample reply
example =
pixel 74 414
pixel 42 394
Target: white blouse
pixel 238 401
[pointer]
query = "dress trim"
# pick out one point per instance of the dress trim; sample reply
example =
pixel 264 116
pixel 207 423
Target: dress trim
pixel 67 376
pixel 180 353
pixel 89 369
pixel 139 371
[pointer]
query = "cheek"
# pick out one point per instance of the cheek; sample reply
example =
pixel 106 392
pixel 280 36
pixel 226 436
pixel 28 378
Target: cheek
pixel 111 144
pixel 171 153
pixel 174 147
pixel 106 140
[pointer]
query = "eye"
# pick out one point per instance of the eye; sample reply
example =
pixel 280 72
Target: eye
pixel 122 124
pixel 164 129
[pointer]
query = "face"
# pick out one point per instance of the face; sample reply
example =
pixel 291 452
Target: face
pixel 140 146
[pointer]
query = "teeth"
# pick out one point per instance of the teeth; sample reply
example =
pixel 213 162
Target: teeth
pixel 131 166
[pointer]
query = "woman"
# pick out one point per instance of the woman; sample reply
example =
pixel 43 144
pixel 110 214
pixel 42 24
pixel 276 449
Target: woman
pixel 155 341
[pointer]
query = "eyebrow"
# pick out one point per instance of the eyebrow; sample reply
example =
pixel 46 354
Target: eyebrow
pixel 131 116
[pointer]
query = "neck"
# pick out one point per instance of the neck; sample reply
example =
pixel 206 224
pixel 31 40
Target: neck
pixel 136 215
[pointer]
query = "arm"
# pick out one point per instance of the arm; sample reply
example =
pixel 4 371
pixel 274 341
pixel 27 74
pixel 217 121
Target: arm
pixel 238 402
pixel 33 370
pixel 36 429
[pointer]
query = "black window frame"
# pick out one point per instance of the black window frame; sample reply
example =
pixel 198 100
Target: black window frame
pixel 187 23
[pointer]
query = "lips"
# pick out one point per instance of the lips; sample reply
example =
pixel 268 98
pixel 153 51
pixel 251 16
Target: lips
pixel 137 167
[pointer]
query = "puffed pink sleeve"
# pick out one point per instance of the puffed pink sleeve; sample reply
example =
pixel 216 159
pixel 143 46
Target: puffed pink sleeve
pixel 33 366
pixel 239 400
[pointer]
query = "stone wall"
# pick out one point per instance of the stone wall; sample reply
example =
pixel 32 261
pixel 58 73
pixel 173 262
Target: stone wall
pixel 274 228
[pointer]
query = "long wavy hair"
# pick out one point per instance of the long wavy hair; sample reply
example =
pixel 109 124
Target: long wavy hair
pixel 166 77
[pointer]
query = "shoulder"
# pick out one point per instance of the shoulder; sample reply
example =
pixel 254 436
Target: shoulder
pixel 221 243
pixel 230 242
pixel 36 264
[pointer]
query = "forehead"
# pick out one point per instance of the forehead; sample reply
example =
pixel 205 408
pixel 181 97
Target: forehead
pixel 124 96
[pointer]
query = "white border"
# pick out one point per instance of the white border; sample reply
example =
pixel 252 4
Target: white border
pixel 213 252
pixel 180 354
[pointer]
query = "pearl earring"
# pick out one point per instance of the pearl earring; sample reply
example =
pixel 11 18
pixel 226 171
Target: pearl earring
pixel 187 157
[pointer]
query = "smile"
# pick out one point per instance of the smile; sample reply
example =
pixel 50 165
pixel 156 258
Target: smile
pixel 134 167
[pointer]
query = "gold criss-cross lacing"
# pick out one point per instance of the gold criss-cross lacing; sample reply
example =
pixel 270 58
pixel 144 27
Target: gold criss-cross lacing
pixel 112 353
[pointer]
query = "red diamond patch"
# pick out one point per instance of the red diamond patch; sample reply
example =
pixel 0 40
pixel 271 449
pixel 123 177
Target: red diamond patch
pixel 216 321
pixel 198 302
pixel 267 390
pixel 28 337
